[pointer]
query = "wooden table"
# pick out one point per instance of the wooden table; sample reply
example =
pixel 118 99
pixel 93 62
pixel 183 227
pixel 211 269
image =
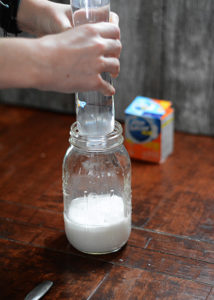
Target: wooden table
pixel 170 253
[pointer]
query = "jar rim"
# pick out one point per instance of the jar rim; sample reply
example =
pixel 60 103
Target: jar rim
pixel 96 143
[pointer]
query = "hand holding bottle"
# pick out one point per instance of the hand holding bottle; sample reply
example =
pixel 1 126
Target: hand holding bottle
pixel 62 62
pixel 74 60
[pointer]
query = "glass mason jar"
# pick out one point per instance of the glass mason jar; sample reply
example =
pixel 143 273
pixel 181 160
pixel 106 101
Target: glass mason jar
pixel 97 192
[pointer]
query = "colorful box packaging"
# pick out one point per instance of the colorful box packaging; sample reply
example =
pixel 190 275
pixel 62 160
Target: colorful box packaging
pixel 149 129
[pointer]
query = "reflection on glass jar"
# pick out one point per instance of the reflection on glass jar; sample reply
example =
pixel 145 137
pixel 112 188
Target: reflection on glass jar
pixel 97 192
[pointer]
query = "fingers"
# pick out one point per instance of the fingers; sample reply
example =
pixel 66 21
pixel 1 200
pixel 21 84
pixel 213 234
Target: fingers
pixel 104 87
pixel 107 30
pixel 110 65
pixel 114 18
pixel 111 48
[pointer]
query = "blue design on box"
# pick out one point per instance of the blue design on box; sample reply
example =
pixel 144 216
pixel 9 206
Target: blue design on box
pixel 143 106
pixel 143 130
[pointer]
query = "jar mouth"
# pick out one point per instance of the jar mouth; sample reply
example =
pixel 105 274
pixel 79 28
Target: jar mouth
pixel 96 143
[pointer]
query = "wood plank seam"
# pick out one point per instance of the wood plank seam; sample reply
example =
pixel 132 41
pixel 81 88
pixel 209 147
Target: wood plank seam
pixel 24 205
pixel 103 259
pixel 207 298
pixel 173 235
pixel 129 243
pixel 99 285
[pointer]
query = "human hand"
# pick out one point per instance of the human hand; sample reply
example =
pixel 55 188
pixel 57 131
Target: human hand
pixel 42 17
pixel 74 60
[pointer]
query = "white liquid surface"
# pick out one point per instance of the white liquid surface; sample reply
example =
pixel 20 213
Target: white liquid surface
pixel 97 224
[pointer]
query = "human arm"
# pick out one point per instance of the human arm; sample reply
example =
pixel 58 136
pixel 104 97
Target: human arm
pixel 62 62
pixel 67 62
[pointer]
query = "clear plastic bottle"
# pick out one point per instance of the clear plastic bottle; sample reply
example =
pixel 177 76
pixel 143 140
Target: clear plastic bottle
pixel 97 192
pixel 95 112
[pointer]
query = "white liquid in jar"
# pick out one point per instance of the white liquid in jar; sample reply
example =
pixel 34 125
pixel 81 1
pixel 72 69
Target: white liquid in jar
pixel 97 224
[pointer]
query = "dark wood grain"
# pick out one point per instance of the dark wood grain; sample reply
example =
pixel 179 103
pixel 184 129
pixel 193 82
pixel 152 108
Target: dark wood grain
pixel 211 295
pixel 147 285
pixel 24 266
pixel 170 253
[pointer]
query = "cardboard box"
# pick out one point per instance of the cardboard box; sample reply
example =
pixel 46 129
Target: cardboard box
pixel 149 129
